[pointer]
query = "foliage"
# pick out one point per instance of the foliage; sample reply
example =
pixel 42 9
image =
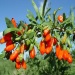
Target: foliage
pixel 6 67
pixel 34 66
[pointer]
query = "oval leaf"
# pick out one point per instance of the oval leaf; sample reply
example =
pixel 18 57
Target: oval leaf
pixel 10 30
pixel 8 23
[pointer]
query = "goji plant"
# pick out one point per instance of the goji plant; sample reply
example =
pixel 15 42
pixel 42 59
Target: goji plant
pixel 55 33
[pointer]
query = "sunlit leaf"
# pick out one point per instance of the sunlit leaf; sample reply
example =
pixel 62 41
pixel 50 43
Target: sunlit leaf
pixel 8 23
pixel 10 30
pixel 30 34
pixel 47 11
pixel 36 9
pixel 30 16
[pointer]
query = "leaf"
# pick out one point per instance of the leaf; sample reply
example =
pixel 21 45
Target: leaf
pixel 2 55
pixel 30 33
pixel 47 11
pixel 22 25
pixel 64 16
pixel 8 23
pixel 69 42
pixel 30 16
pixel 36 9
pixel 72 18
pixel 57 35
pixel 31 46
pixel 37 45
pixel 54 16
pixel 10 30
pixel 43 9
pixel 63 39
pixel 49 24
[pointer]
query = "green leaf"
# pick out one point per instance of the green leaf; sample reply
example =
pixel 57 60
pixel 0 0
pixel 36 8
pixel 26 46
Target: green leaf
pixel 22 25
pixel 8 23
pixel 37 45
pixel 64 16
pixel 10 30
pixel 36 9
pixel 47 11
pixel 54 16
pixel 31 46
pixel 72 15
pixel 43 9
pixel 72 18
pixel 69 42
pixel 2 55
pixel 27 42
pixel 49 24
pixel 30 33
pixel 57 35
pixel 31 16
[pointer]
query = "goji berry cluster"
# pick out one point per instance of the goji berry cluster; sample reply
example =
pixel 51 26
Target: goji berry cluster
pixel 63 54
pixel 17 52
pixel 47 43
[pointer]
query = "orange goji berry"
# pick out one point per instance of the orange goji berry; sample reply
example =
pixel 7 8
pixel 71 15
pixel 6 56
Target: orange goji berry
pixel 14 55
pixel 24 66
pixel 2 40
pixel 45 32
pixel 20 58
pixel 10 47
pixel 48 49
pixel 49 46
pixel 42 47
pixel 47 38
pixel 60 55
pixel 65 54
pixel 60 18
pixel 50 42
pixel 18 65
pixel 32 53
pixel 58 48
pixel 14 22
pixel 22 48
pixel 55 41
pixel 69 58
